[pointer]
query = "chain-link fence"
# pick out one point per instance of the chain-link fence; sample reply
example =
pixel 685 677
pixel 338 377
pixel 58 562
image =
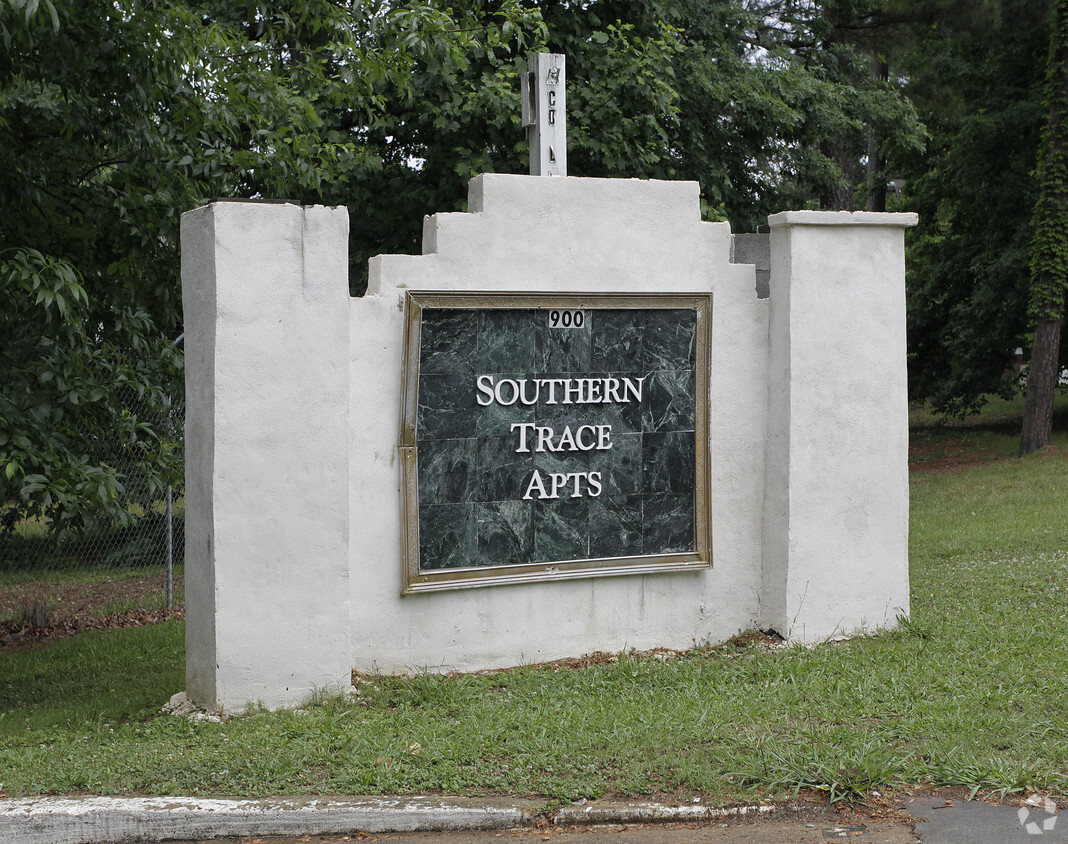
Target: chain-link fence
pixel 121 566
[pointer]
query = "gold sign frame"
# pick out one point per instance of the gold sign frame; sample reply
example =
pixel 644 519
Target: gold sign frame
pixel 416 579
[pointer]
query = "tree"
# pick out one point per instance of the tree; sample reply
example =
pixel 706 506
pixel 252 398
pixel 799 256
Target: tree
pixel 1049 256
pixel 975 75
pixel 115 117
pixel 856 118
pixel 460 118
pixel 679 89
pixel 118 115
pixel 84 369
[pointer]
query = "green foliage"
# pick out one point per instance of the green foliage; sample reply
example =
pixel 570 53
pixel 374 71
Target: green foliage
pixel 976 77
pixel 73 403
pixel 114 119
pixel 1049 255
pixel 678 89
pixel 850 115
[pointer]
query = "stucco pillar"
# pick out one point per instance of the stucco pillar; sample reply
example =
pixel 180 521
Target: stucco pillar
pixel 836 503
pixel 265 290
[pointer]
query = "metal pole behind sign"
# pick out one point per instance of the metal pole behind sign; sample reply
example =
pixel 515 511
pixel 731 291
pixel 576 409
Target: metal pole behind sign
pixel 170 518
pixel 544 114
pixel 170 549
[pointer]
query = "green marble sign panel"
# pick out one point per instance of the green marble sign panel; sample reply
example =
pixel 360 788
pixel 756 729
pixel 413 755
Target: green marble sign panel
pixel 551 437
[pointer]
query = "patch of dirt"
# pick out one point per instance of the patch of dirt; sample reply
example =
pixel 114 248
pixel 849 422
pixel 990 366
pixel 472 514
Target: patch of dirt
pixel 37 610
pixel 15 633
pixel 763 639
pixel 605 658
pixel 754 638
pixel 948 456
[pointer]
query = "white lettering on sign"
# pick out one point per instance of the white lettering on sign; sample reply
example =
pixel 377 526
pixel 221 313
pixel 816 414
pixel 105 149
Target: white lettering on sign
pixel 551 484
pixel 536 438
pixel 585 437
pixel 528 391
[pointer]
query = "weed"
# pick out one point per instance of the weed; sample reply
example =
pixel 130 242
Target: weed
pixel 843 772
pixel 35 613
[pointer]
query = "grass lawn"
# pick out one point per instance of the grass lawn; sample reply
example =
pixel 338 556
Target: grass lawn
pixel 972 691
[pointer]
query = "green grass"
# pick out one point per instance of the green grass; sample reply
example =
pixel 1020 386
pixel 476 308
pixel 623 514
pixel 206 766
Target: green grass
pixel 109 676
pixel 971 691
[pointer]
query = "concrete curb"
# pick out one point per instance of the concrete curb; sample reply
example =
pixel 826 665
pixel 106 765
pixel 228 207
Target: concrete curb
pixel 109 820
pixel 102 820
pixel 603 812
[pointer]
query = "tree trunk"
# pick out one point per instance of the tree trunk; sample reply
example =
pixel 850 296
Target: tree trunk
pixel 839 147
pixel 1049 245
pixel 1042 377
pixel 839 196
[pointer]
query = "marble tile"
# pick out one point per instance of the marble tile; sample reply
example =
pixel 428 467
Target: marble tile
pixel 502 472
pixel 505 532
pixel 668 462
pixel 561 530
pixel 620 466
pixel 617 340
pixel 447 407
pixel 670 340
pixel 447 341
pixel 616 526
pixel 447 536
pixel 447 471
pixel 495 420
pixel 560 415
pixel 627 415
pixel 563 349
pixel 669 401
pixel 668 523
pixel 606 414
pixel 472 479
pixel 507 341
pixel 562 462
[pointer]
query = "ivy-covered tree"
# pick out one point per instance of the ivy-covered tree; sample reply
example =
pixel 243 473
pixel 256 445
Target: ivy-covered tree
pixel 1049 256
pixel 975 74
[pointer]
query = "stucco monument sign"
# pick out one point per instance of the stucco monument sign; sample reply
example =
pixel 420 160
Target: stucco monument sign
pixel 527 442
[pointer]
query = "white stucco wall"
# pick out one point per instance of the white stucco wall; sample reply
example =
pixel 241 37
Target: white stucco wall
pixel 265 289
pixel 836 526
pixel 577 235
